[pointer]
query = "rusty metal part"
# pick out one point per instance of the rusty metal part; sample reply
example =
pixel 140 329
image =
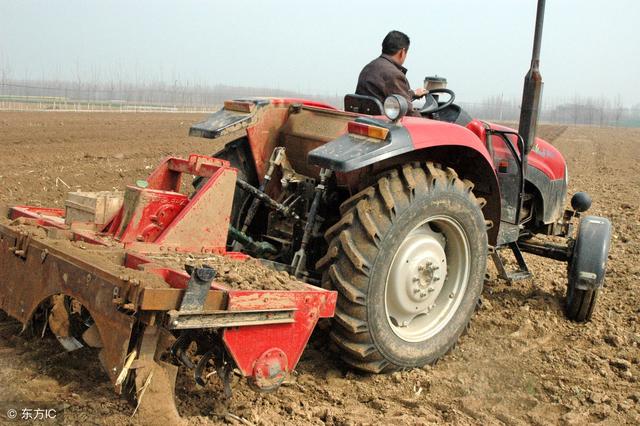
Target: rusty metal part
pixel 92 337
pixel 59 323
pixel 155 382
pixel 50 272
pixel 164 299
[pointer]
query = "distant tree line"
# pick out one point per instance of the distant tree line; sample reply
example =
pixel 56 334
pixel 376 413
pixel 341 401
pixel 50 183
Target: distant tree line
pixel 600 111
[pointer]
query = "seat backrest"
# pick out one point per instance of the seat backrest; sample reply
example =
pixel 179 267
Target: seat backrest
pixel 362 104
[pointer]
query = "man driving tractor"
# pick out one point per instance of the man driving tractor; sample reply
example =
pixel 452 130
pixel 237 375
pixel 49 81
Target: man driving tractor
pixel 385 75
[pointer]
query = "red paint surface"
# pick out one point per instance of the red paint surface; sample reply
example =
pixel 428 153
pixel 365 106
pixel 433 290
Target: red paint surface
pixel 247 344
pixel 427 133
pixel 289 101
pixel 290 338
pixel 544 156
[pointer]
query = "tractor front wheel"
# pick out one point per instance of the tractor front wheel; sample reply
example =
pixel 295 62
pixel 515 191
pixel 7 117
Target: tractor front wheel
pixel 408 259
pixel 587 267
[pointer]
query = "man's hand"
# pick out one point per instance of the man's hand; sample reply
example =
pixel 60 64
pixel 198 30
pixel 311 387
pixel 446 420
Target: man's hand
pixel 420 92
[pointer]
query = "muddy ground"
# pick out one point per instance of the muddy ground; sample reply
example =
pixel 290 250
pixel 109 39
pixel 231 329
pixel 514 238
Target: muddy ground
pixel 521 361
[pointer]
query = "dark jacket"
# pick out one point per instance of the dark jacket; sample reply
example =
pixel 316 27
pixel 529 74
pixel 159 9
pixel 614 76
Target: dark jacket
pixel 383 77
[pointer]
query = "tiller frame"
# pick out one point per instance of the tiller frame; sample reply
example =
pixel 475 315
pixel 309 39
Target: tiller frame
pixel 262 333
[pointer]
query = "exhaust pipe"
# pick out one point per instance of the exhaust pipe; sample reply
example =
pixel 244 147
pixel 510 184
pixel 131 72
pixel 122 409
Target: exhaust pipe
pixel 532 91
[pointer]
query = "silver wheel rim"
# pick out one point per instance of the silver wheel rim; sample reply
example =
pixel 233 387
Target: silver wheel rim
pixel 427 279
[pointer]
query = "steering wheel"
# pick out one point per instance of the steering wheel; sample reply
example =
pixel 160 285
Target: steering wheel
pixel 431 105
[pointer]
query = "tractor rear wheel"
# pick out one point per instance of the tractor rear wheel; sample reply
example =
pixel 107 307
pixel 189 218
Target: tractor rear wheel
pixel 408 259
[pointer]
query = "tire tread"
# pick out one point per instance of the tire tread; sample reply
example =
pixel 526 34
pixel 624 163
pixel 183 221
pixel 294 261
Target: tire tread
pixel 354 241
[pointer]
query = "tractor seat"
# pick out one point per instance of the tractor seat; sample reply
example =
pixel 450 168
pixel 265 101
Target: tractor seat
pixel 362 104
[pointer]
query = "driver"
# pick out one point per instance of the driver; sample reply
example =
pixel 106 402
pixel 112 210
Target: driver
pixel 385 75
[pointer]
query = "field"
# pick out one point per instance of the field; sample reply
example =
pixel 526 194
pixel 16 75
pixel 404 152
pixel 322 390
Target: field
pixel 521 362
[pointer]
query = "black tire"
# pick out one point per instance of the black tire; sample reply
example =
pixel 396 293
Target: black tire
pixel 376 223
pixel 580 303
pixel 587 268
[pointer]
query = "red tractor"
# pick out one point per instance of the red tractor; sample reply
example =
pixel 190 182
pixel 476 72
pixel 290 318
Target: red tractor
pixel 399 214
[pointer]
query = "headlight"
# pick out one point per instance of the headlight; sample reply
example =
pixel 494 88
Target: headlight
pixel 395 107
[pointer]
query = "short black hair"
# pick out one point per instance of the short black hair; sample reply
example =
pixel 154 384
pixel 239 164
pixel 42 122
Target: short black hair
pixel 394 41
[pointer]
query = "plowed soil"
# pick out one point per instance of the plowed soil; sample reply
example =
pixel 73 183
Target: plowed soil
pixel 521 362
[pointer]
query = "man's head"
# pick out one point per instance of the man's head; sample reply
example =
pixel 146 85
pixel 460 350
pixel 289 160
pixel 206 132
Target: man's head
pixel 396 45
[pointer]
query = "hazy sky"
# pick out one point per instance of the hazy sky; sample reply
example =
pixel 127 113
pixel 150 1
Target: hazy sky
pixel 590 47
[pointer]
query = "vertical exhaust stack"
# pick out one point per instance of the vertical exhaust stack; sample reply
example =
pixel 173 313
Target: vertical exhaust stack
pixel 532 91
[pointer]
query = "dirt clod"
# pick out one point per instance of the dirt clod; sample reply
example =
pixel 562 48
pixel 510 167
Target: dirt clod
pixel 248 274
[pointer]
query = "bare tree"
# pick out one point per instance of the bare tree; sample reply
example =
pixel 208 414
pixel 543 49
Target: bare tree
pixel 618 109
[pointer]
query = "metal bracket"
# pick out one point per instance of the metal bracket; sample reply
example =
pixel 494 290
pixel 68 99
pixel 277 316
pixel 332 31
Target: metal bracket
pixel 197 288
pixel 180 320
pixel 520 274
pixel 298 265
pixel 22 246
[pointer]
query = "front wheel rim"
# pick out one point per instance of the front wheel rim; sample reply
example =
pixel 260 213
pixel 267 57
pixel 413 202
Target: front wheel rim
pixel 427 279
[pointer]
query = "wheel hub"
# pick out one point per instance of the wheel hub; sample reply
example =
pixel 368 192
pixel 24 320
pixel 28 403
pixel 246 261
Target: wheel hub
pixel 418 274
pixel 427 279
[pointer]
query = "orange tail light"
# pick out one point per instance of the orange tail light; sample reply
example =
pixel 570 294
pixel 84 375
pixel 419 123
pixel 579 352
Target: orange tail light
pixel 367 130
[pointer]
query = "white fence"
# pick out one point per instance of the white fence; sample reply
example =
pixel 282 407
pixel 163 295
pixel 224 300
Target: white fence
pixel 84 106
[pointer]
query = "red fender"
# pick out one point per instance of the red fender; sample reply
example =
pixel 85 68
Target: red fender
pixel 427 133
